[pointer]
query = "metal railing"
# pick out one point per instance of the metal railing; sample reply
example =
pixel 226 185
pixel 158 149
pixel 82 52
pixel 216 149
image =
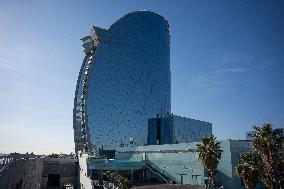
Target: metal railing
pixel 164 175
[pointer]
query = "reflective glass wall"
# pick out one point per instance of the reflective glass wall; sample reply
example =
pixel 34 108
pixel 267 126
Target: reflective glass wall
pixel 128 81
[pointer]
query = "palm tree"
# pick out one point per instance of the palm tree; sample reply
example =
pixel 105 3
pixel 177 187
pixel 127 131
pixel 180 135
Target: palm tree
pixel 248 169
pixel 268 142
pixel 209 152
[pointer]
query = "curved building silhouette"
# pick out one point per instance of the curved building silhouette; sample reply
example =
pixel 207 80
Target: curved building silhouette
pixel 125 79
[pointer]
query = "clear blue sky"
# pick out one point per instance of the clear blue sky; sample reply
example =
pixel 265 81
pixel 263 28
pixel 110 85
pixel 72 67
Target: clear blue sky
pixel 227 63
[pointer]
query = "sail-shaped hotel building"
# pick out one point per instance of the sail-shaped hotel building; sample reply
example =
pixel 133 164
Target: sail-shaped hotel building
pixel 124 80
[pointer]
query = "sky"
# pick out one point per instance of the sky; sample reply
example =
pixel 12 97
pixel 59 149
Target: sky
pixel 227 65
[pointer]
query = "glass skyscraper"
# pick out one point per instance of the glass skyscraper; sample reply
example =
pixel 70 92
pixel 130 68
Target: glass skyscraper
pixel 125 79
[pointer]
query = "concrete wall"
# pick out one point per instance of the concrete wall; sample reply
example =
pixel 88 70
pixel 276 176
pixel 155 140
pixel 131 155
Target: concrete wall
pixel 33 173
pixel 66 168
pixel 236 148
pixel 85 180
pixel 24 174
pixel 178 160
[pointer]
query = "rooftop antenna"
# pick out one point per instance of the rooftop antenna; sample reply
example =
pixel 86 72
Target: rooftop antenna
pixel 161 111
pixel 165 105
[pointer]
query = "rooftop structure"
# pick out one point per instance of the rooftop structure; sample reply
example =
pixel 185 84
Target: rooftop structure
pixel 28 171
pixel 173 129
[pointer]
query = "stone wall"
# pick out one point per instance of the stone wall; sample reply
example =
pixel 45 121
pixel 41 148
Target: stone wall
pixel 23 174
pixel 66 168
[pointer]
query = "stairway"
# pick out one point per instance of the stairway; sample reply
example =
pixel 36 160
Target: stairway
pixel 162 174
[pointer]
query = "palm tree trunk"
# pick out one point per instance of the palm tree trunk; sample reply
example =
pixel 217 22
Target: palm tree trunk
pixel 251 186
pixel 275 185
pixel 212 179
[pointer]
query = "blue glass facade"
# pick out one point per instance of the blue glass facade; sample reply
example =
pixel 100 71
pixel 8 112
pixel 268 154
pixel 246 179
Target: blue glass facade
pixel 124 80
pixel 171 129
